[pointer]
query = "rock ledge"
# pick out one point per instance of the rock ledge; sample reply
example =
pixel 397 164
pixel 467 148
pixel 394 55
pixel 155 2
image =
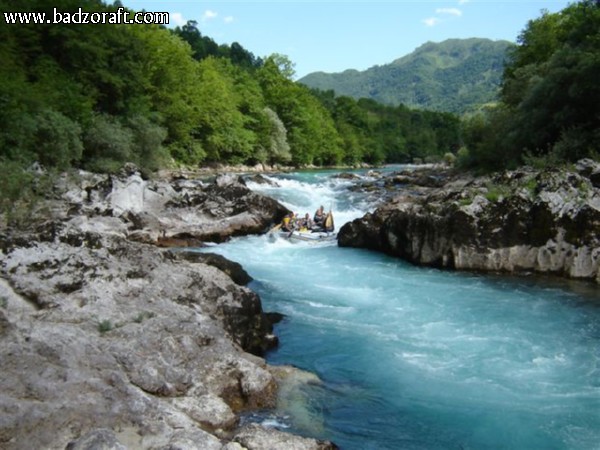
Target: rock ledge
pixel 519 221
pixel 109 342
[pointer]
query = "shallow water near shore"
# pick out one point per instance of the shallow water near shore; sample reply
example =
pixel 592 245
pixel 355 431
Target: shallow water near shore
pixel 418 358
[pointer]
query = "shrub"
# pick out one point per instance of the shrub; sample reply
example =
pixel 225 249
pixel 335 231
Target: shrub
pixel 190 153
pixel 14 183
pixel 147 146
pixel 432 159
pixel 463 158
pixel 16 191
pixel 546 161
pixel 465 201
pixel 57 140
pixel 106 141
pixel 449 158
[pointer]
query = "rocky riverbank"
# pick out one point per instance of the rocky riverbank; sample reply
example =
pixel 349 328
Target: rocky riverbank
pixel 109 341
pixel 525 220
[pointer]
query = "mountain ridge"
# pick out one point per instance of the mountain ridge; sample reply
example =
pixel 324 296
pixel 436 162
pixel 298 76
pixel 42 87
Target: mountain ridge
pixel 455 75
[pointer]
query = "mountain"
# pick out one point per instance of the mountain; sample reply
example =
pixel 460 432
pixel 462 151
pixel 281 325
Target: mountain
pixel 456 75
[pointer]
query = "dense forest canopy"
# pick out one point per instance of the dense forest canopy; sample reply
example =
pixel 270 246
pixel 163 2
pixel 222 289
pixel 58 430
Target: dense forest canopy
pixel 550 99
pixel 98 96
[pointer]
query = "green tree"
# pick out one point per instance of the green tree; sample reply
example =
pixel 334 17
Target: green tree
pixel 312 135
pixel 251 104
pixel 278 149
pixel 172 84
pixel 551 84
pixel 285 67
pixel 221 125
pixel 202 46
pixel 485 135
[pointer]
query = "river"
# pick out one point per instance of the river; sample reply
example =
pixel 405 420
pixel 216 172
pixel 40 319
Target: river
pixel 418 358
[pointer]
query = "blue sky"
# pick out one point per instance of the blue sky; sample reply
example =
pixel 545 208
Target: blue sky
pixel 332 36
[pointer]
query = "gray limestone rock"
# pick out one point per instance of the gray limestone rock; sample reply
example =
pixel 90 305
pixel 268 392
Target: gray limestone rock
pixel 108 342
pixel 99 332
pixel 170 213
pixel 101 439
pixel 525 220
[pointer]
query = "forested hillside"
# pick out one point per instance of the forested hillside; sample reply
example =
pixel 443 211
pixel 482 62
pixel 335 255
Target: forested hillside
pixel 456 75
pixel 98 96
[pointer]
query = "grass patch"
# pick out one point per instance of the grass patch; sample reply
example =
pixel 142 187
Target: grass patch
pixel 105 326
pixel 465 201
pixel 143 316
pixel 496 192
pixel 584 188
pixel 549 160
pixel 3 302
pixel 531 185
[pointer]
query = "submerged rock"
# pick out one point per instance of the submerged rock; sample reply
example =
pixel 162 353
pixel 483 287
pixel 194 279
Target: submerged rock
pixel 255 437
pixel 346 176
pixel 547 222
pixel 260 179
pixel 294 398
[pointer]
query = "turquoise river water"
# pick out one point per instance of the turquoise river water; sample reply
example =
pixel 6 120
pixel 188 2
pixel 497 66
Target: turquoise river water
pixel 418 358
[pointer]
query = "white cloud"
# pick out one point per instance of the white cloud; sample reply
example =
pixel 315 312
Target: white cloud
pixel 452 11
pixel 228 19
pixel 209 15
pixel 432 21
pixel 177 19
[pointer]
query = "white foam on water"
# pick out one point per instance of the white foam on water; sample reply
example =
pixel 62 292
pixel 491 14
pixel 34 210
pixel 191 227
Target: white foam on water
pixel 274 423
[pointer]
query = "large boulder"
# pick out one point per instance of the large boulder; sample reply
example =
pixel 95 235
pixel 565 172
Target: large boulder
pixel 179 212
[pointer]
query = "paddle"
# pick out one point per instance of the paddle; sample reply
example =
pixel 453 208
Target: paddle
pixel 292 226
pixel 275 228
pixel 328 225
